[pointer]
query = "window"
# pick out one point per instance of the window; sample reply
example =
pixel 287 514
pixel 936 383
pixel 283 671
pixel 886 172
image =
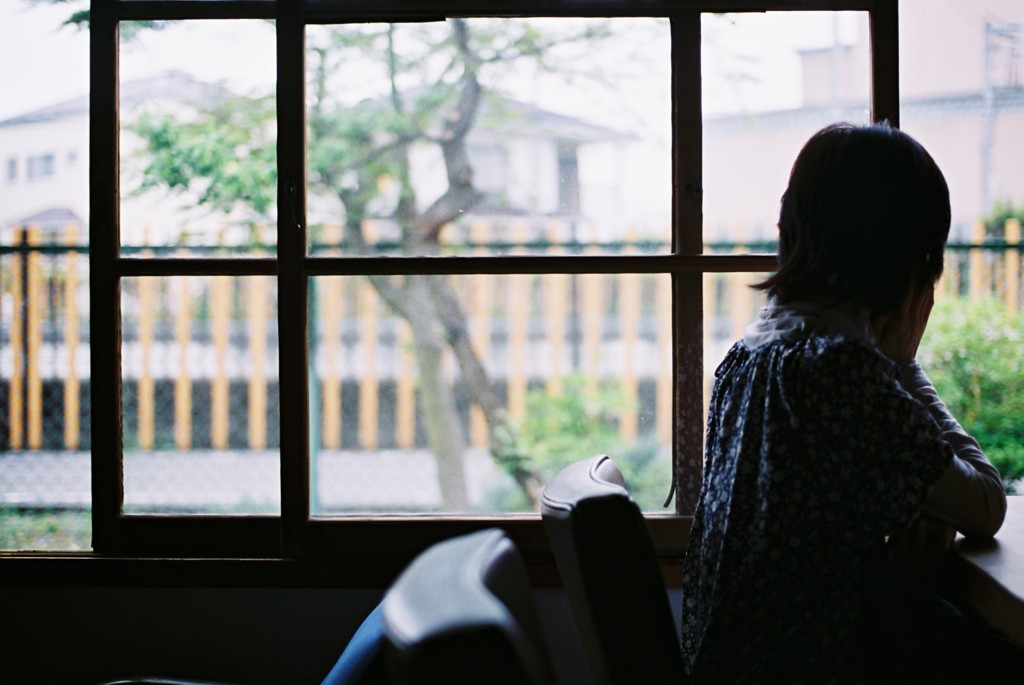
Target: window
pixel 39 166
pixel 568 179
pixel 12 169
pixel 345 300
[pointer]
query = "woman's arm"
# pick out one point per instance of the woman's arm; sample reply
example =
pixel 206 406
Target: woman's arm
pixel 970 494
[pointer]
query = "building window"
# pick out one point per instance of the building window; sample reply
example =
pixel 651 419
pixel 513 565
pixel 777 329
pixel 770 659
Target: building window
pixel 39 166
pixel 11 173
pixel 402 360
pixel 568 179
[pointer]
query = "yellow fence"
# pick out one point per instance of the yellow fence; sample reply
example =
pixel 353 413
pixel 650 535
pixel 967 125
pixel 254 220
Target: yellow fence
pixel 218 333
pixel 984 268
pixel 30 296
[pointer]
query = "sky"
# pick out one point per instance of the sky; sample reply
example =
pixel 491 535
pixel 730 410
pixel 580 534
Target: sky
pixel 53 63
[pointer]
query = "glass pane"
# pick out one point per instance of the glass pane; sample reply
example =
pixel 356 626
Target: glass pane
pixel 551 369
pixel 565 147
pixel 769 82
pixel 198 138
pixel 45 494
pixel 199 391
pixel 730 305
pixel 966 106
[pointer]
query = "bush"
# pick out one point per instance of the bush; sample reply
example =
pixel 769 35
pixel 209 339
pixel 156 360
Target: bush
pixel 45 529
pixel 560 430
pixel 1002 211
pixel 973 353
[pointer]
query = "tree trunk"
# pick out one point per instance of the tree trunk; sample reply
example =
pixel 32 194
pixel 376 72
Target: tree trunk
pixel 430 304
pixel 473 374
pixel 445 434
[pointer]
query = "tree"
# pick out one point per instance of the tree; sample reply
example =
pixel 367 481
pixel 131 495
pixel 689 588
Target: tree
pixel 224 159
pixel 434 75
pixel 1003 210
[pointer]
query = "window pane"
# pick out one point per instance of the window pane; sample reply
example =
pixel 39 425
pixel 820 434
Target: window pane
pixel 730 305
pixel 966 106
pixel 769 82
pixel 198 138
pixel 967 111
pixel 199 391
pixel 45 495
pixel 567 142
pixel 571 366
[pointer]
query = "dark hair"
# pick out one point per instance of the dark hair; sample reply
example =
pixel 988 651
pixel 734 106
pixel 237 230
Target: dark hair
pixel 865 217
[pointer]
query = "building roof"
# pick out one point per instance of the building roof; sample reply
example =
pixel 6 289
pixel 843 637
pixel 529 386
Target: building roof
pixel 944 107
pixel 503 114
pixel 51 220
pixel 500 113
pixel 173 85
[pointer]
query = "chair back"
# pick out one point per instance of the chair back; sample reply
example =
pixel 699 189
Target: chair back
pixel 612 578
pixel 463 612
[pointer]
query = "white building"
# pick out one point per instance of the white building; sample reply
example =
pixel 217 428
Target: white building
pixel 529 164
pixel 45 158
pixel 965 108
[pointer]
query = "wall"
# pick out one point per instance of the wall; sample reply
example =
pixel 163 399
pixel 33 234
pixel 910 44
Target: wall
pixel 74 635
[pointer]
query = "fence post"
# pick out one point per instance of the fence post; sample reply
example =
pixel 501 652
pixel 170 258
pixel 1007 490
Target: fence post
pixel 405 390
pixel 592 288
pixel 35 311
pixel 518 333
pixel 482 294
pixel 369 334
pixel 665 378
pixel 592 294
pixel 950 274
pixel 709 303
pixel 977 274
pixel 147 405
pixel 72 404
pixel 740 295
pixel 1012 275
pixel 183 382
pixel 368 383
pixel 629 329
pixel 330 353
pixel 556 313
pixel 220 304
pixel 331 314
pixel 17 387
pixel 257 362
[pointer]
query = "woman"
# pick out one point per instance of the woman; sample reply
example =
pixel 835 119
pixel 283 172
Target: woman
pixel 824 435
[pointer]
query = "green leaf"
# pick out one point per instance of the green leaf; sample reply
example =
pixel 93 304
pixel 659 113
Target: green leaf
pixel 971 352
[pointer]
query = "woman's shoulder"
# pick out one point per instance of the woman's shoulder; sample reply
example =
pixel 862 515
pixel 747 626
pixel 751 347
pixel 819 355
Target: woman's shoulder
pixel 825 351
pixel 811 366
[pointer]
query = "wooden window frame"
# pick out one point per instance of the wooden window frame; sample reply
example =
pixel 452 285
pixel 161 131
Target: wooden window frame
pixel 386 543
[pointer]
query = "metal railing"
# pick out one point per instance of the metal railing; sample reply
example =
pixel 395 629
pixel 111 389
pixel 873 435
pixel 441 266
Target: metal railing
pixel 199 353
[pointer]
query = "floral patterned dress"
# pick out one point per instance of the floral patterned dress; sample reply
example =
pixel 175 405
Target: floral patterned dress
pixel 815 452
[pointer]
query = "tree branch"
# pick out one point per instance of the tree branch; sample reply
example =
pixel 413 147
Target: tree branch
pixel 474 375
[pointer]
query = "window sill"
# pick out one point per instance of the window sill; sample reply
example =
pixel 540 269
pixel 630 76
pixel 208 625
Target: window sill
pixel 85 569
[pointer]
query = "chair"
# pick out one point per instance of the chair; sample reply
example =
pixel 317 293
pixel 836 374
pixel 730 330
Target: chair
pixel 462 612
pixel 612 578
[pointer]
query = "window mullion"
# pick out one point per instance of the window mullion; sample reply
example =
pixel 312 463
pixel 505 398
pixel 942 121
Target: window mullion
pixel 885 64
pixel 104 287
pixel 292 280
pixel 687 299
